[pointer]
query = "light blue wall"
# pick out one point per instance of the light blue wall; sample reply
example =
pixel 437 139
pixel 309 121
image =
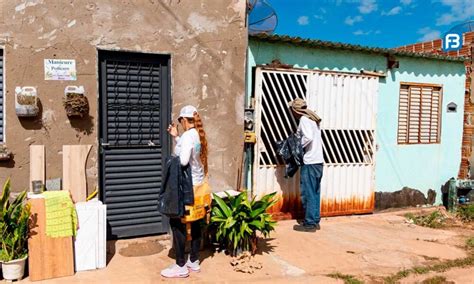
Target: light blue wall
pixel 418 166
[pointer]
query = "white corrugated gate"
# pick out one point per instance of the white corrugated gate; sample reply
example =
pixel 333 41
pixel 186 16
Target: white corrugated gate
pixel 346 103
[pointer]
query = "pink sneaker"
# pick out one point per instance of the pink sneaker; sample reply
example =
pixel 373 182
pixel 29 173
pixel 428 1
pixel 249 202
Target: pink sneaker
pixel 175 271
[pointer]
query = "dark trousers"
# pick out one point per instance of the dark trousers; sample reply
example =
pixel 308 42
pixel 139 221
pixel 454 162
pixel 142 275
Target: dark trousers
pixel 179 240
pixel 310 186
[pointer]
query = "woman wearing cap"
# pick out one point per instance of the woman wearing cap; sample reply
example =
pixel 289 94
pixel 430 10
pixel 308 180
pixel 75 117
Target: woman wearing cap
pixel 312 170
pixel 191 147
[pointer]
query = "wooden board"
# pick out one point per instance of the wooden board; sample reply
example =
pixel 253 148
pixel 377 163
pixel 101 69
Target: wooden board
pixel 37 164
pixel 47 257
pixel 74 170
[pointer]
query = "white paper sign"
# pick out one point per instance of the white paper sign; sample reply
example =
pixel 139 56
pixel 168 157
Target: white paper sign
pixel 60 69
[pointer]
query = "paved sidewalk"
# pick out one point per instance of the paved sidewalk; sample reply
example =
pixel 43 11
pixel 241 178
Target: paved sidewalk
pixel 377 245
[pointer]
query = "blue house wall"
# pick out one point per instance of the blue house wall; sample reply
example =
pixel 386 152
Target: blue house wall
pixel 419 166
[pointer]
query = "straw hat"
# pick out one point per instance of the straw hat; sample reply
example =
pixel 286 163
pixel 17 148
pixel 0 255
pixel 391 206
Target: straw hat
pixel 299 106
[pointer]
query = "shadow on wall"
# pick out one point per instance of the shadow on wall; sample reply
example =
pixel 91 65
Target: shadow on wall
pixel 111 250
pixel 345 60
pixel 33 123
pixel 84 125
pixel 9 163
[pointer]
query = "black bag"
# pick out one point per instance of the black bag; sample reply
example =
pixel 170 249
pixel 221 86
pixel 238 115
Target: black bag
pixel 291 150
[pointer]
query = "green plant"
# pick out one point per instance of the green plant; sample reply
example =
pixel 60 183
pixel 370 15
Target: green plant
pixel 470 243
pixel 466 213
pixel 14 218
pixel 433 220
pixel 237 221
pixel 436 280
pixel 348 279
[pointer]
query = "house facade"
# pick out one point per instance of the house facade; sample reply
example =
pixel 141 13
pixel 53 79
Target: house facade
pixel 389 119
pixel 137 63
pixel 466 171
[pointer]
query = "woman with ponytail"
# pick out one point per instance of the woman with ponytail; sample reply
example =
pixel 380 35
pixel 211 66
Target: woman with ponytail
pixel 191 147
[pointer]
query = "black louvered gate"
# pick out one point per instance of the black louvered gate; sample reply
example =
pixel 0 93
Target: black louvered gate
pixel 134 112
pixel 1 97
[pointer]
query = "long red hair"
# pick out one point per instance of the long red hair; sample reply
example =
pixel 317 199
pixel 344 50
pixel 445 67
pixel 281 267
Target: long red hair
pixel 202 138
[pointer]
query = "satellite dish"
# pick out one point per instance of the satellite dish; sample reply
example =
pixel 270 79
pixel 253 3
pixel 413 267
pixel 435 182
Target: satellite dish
pixel 463 28
pixel 262 17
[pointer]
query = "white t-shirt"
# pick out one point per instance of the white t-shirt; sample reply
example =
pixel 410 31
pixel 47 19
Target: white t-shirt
pixel 311 140
pixel 188 148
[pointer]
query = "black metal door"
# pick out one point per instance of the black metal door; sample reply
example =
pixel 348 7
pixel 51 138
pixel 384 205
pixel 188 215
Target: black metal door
pixel 134 112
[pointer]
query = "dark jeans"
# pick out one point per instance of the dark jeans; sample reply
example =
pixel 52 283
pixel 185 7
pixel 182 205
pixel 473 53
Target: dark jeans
pixel 179 240
pixel 310 187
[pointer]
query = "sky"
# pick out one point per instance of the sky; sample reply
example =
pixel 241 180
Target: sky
pixel 382 23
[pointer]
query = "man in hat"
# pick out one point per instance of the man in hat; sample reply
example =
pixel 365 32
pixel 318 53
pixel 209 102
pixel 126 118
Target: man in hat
pixel 312 170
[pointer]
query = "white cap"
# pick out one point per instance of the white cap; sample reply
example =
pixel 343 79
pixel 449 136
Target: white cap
pixel 187 111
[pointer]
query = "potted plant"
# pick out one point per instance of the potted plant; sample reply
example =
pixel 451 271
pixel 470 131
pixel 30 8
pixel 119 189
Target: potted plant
pixel 14 218
pixel 237 220
pixel 75 102
pixel 26 102
pixel 5 155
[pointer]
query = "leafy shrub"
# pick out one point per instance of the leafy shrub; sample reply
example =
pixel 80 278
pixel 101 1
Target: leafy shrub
pixel 433 220
pixel 470 243
pixel 237 221
pixel 14 218
pixel 466 213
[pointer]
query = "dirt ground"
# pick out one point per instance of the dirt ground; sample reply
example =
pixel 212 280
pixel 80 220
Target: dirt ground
pixel 366 247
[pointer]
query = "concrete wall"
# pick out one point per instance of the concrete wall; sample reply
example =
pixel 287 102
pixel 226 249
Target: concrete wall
pixel 421 167
pixel 207 42
pixel 435 46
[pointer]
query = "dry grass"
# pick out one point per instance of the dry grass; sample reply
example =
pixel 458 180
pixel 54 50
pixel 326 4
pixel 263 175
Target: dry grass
pixel 348 279
pixel 436 280
pixel 434 220
pixel 438 267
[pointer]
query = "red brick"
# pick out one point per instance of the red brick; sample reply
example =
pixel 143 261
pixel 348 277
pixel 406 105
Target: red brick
pixel 453 53
pixel 419 47
pixel 468 38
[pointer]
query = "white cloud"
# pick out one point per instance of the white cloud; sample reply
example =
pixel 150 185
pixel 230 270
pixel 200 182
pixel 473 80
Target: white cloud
pixel 319 17
pixel 406 2
pixel 428 34
pixel 368 6
pixel 351 21
pixel 366 33
pixel 303 21
pixel 394 11
pixel 361 32
pixel 460 10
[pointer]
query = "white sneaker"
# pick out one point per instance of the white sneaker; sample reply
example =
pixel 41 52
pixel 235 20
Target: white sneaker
pixel 175 271
pixel 193 266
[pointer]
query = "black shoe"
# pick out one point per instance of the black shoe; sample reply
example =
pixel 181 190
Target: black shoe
pixel 301 222
pixel 302 228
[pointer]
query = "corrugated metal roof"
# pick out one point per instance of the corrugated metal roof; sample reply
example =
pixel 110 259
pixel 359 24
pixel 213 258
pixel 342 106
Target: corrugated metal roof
pixel 311 43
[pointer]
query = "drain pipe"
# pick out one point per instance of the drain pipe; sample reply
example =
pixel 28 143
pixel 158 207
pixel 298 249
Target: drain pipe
pixel 248 128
